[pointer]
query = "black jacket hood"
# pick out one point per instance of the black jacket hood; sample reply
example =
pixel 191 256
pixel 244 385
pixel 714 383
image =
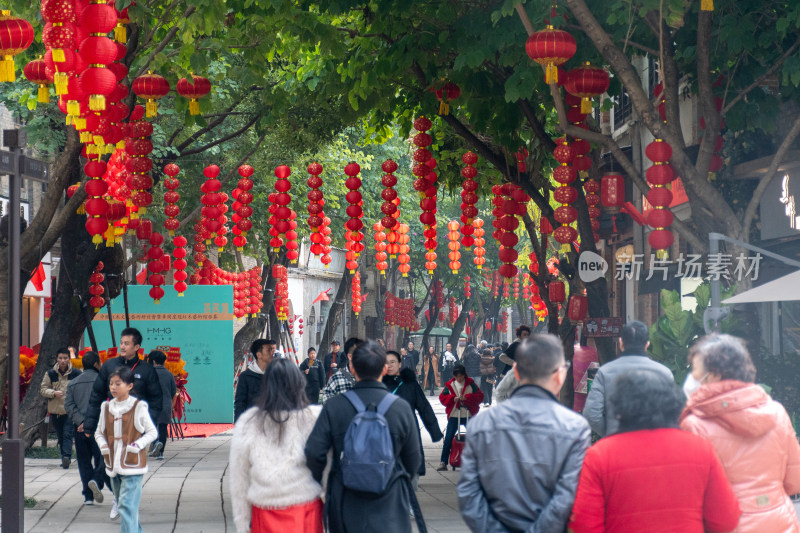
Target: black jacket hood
pixel 408 376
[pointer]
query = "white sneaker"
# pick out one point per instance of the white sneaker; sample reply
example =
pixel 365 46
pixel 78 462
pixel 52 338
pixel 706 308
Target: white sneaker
pixel 114 514
pixel 96 492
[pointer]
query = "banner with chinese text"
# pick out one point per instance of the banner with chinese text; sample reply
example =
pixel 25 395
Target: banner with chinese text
pixel 201 324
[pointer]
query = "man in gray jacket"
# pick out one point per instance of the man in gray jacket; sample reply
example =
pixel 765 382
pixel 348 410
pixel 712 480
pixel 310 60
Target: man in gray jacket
pixel 522 459
pixel 633 344
pixel 93 477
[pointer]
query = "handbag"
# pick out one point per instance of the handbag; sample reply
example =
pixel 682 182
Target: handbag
pixel 457 446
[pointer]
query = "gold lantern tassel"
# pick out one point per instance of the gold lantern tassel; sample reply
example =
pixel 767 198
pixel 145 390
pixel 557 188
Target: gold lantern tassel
pixel 97 102
pixel 706 5
pixel 194 107
pixel 73 107
pixel 7 69
pixel 70 120
pixel 81 210
pixel 80 123
pixel 61 79
pixel 444 107
pixel 109 236
pixel 662 255
pixel 97 239
pixel 151 109
pixel 85 138
pixel 44 94
pixel 565 248
pixel 586 105
pixel 121 145
pixel 551 73
pixel 58 54
pixel 120 33
pixel 180 295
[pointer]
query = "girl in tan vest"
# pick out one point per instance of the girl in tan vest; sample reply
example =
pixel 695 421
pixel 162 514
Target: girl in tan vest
pixel 124 431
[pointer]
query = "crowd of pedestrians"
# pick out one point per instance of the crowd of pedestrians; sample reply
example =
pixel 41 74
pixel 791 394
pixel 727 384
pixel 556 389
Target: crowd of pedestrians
pixel 720 455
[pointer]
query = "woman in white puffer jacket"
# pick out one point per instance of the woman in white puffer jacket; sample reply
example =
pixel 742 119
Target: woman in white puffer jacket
pixel 271 487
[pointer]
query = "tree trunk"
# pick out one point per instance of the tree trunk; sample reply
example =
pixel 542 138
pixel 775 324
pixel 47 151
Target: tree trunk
pixel 335 311
pixel 70 311
pixel 458 326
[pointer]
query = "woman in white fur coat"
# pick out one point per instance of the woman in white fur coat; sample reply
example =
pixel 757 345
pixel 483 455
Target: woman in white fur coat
pixel 271 487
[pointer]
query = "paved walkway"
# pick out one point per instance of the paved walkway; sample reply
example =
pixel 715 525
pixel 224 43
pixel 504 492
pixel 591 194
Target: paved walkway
pixel 188 493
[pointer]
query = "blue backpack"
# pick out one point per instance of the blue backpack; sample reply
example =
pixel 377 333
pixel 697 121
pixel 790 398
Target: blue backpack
pixel 368 460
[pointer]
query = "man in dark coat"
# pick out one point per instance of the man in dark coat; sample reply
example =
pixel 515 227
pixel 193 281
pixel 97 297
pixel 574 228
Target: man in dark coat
pixel 333 360
pixel 168 391
pixel 249 385
pixel 413 353
pixel 145 380
pixel 349 510
pixel 315 375
pixel 472 362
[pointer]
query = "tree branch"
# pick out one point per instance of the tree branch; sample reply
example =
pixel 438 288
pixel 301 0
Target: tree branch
pixel 758 81
pixel 221 139
pixel 777 159
pixel 706 93
pixel 536 126
pixel 165 41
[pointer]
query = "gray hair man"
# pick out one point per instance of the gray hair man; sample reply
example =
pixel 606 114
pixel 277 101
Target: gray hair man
pixel 498 491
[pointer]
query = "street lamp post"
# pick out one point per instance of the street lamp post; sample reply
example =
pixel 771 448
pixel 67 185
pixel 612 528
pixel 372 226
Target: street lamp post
pixel 13 450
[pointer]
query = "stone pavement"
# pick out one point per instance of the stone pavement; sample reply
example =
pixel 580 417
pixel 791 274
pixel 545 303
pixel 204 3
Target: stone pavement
pixel 188 493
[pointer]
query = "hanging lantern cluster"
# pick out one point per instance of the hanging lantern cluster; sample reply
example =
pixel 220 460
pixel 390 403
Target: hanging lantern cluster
pixel 316 204
pixel 96 206
pixel 503 325
pixel 446 94
pixel 551 47
pixel 454 245
pixel 438 287
pixel 247 291
pixel 291 239
pixel 380 249
pixel 659 175
pixel 526 292
pixel 280 273
pixel 468 199
pixel 389 195
pixel 96 288
pixel 16 35
pixel 399 312
pixel 355 288
pixel 138 147
pixel 506 288
pixel 353 235
pixel 516 287
pixel 565 194
pixel 193 90
pixel 171 198
pixel 403 249
pixel 452 309
pixel 479 251
pixel 522 156
pixel 425 185
pixel 497 280
pixel 156 266
pixel 581 161
pixel 513 202
pixel 179 264
pixel 467 288
pixel 300 326
pixel 279 210
pixel 211 200
pixel 326 248
pixel 241 207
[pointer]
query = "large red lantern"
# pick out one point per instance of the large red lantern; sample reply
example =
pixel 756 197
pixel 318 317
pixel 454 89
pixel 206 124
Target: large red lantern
pixel 16 35
pixel 551 47
pixel 193 90
pixel 152 88
pixel 586 82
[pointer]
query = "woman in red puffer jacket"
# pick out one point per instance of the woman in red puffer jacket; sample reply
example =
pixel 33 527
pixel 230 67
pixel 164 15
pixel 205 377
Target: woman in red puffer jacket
pixel 751 433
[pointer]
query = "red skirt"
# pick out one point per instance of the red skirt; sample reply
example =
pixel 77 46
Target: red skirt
pixel 303 518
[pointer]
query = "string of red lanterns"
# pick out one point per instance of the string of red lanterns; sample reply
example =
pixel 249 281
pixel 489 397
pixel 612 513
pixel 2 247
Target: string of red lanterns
pixel 454 245
pixel 468 199
pixel 425 185
pixel 355 288
pixel 354 211
pixel 179 263
pixel 171 198
pixel 479 251
pixel 242 210
pixel 316 203
pixel 96 289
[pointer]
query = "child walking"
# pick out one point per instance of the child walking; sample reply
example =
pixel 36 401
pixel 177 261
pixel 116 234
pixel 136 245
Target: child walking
pixel 124 431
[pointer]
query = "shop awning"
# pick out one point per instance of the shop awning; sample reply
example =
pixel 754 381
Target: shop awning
pixel 784 289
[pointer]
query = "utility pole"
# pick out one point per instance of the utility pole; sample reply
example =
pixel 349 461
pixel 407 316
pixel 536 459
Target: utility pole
pixel 13 474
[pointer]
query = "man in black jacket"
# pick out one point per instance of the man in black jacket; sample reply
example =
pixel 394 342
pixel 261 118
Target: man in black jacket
pixel 145 380
pixel 333 360
pixel 349 510
pixel 249 385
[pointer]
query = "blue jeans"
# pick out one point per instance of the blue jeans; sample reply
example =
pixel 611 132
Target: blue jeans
pixel 128 491
pixel 450 432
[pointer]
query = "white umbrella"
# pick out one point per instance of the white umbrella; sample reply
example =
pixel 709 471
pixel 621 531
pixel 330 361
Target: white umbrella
pixel 783 289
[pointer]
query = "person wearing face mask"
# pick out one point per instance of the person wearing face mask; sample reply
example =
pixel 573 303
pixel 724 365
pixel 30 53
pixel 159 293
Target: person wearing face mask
pixel 751 433
pixel 693 378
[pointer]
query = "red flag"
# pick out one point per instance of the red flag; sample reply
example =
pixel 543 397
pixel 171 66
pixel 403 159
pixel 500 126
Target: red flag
pixel 141 276
pixel 38 278
pixel 364 297
pixel 323 296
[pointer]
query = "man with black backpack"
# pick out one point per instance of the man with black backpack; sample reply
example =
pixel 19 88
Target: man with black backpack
pixel 375 447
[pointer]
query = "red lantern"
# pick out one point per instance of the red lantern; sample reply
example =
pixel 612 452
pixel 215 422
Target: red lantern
pixel 556 292
pixel 152 88
pixel 194 90
pixel 612 192
pixel 446 94
pixel 96 288
pixel 586 81
pixel 16 35
pixel 36 72
pixel 578 308
pixel 551 47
